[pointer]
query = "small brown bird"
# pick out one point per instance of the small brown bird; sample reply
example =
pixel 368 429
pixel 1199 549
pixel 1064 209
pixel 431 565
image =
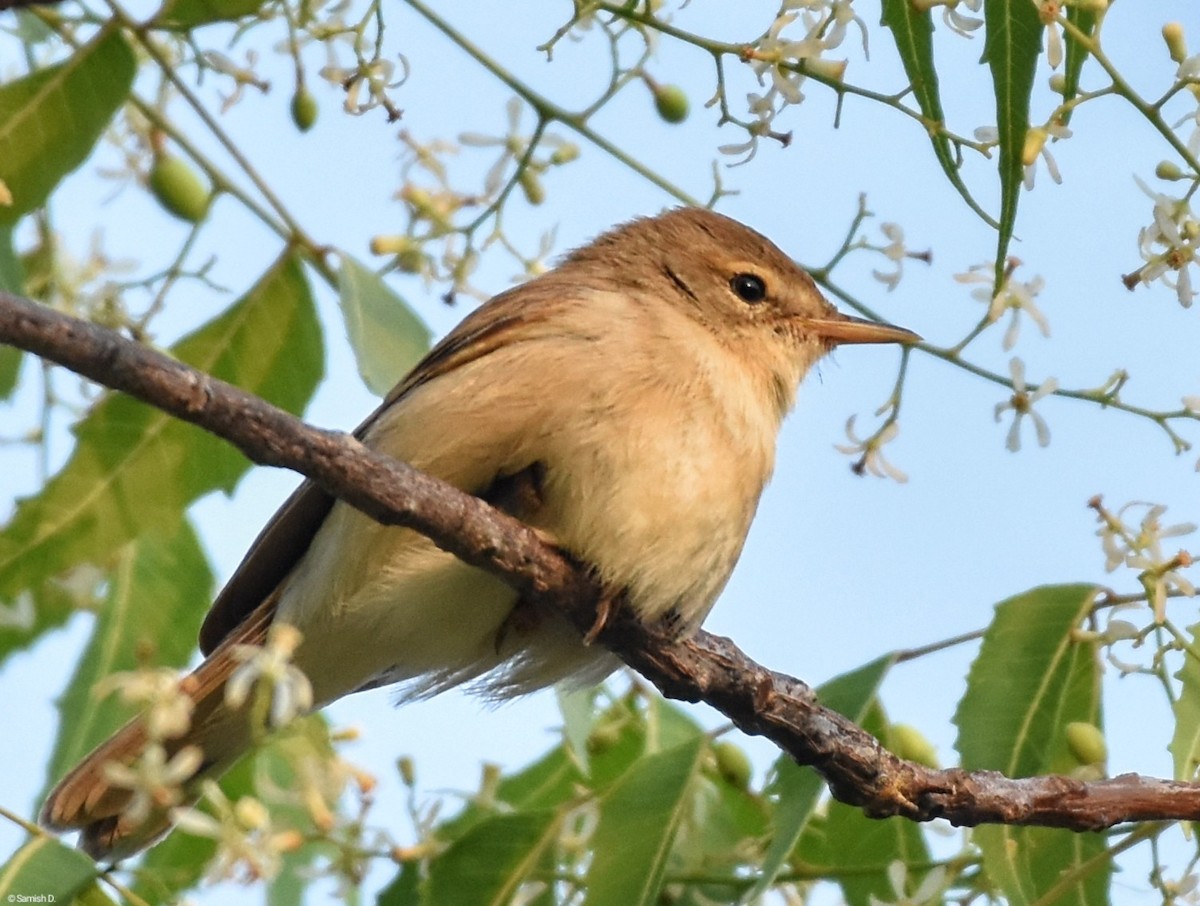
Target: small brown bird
pixel 626 404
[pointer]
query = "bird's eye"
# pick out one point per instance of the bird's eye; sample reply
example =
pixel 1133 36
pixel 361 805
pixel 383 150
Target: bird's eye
pixel 749 287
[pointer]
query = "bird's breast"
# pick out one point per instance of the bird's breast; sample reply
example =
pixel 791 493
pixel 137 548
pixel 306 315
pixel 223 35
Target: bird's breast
pixel 656 485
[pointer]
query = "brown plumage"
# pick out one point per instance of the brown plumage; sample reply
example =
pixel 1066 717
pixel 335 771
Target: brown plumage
pixel 625 404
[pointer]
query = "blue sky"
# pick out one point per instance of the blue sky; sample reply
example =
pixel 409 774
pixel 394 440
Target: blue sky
pixel 838 569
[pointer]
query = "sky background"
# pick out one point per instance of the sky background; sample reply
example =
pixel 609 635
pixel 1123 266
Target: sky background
pixel 838 568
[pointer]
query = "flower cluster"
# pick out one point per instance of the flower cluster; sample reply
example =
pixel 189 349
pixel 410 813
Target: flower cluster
pixel 156 778
pixel 433 203
pixel 788 60
pixel 1140 547
pixel 248 847
pixel 1170 245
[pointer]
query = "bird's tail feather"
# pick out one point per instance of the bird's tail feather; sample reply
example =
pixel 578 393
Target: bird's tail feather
pixel 87 800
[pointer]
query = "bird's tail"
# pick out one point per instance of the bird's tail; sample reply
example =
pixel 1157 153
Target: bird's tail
pixel 88 800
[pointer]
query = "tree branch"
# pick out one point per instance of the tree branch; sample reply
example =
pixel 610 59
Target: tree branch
pixel 705 668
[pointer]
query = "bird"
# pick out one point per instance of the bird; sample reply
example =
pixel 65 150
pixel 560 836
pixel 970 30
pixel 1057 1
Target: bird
pixel 624 404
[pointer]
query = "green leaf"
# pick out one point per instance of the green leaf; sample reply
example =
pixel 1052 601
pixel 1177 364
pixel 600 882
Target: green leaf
pixel 858 849
pixel 1185 744
pixel 913 32
pixel 1077 53
pixel 1030 679
pixel 12 276
pixel 10 370
pixel 638 821
pixel 51 119
pixel 1011 49
pixel 35 610
pixel 796 789
pixel 93 895
pixel 489 864
pixel 182 15
pixel 136 469
pixel 44 868
pixel 12 280
pixel 157 595
pixel 387 337
pixel 668 725
pixel 405 889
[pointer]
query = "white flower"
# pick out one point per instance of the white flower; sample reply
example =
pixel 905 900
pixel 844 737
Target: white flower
pixel 872 459
pixel 957 22
pixel 1021 403
pixel 895 252
pixel 1048 11
pixel 247 847
pixel 1036 145
pixel 168 708
pixel 375 76
pixel 1015 296
pixel 512 142
pixel 929 890
pixel 762 106
pixel 1141 548
pixel 1170 244
pixel 269 668
pixel 155 782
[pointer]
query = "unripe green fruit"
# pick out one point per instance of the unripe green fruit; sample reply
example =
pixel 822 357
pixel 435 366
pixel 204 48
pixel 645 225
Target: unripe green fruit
pixel 603 737
pixel 178 189
pixel 671 103
pixel 304 109
pixel 1086 743
pixel 732 764
pixel 910 744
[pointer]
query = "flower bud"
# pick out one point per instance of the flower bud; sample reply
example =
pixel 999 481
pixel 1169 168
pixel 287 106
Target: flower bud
pixel 251 814
pixel 565 154
pixel 1168 169
pixel 531 185
pixel 178 189
pixel 834 70
pixel 1173 35
pixel 390 245
pixel 1035 140
pixel 1086 743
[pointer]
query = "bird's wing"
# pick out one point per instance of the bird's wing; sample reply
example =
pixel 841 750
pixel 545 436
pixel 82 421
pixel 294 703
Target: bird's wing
pixel 288 534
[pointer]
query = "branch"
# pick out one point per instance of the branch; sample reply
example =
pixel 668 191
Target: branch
pixel 705 668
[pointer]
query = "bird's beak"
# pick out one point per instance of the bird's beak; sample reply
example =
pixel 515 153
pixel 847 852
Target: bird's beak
pixel 839 328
